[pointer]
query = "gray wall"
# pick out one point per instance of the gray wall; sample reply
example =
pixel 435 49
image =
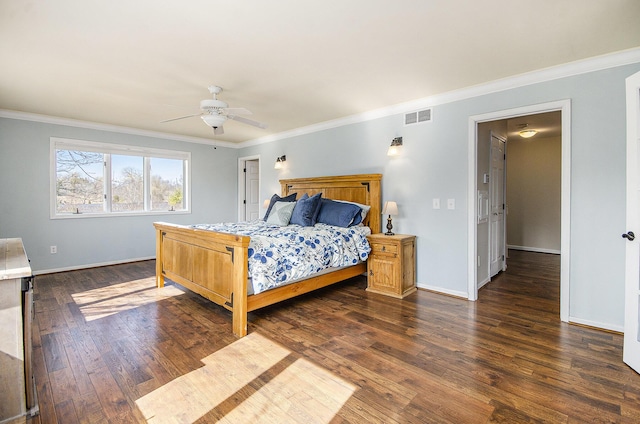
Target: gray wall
pixel 433 165
pixel 24 198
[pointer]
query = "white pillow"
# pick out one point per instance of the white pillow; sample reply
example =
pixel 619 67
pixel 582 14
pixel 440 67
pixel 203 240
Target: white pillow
pixel 281 213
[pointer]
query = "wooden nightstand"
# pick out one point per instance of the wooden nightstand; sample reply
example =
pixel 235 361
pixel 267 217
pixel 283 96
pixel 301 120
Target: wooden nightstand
pixel 391 267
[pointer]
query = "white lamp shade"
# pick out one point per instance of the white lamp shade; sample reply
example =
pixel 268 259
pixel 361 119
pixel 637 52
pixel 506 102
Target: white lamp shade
pixel 396 147
pixel 394 150
pixel 390 208
pixel 265 204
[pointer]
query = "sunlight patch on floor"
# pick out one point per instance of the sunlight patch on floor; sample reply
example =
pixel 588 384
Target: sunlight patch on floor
pixel 105 301
pixel 303 392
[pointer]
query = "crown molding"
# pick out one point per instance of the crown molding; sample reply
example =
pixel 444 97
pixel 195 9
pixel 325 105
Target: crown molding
pixel 47 119
pixel 598 63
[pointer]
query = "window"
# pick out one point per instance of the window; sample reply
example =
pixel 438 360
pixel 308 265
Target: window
pixel 97 179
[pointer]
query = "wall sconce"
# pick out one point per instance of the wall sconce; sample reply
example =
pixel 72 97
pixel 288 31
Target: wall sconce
pixel 280 160
pixel 390 208
pixel 396 147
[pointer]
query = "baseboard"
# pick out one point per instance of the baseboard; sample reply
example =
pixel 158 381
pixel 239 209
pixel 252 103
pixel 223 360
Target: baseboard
pixel 534 249
pixel 482 283
pixel 448 292
pixel 596 325
pixel 87 266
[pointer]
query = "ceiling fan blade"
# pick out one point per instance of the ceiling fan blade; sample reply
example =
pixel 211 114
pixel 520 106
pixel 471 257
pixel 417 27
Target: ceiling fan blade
pixel 247 121
pixel 218 130
pixel 182 117
pixel 237 111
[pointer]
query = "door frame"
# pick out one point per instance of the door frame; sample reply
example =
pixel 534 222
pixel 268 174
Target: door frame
pixel 241 182
pixel 564 106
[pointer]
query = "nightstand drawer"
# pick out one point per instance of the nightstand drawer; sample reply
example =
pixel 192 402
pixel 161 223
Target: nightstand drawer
pixel 384 249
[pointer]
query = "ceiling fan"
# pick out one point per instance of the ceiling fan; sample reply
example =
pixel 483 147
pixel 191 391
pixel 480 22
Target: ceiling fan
pixel 215 112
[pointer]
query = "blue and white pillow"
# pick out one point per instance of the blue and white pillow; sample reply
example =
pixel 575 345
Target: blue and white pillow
pixel 275 198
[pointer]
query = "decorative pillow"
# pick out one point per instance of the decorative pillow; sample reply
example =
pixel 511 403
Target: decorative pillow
pixel 363 214
pixel 339 214
pixel 275 198
pixel 306 211
pixel 281 213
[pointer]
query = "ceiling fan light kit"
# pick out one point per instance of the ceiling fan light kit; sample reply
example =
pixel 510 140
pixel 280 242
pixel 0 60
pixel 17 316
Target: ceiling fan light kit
pixel 214 120
pixel 215 113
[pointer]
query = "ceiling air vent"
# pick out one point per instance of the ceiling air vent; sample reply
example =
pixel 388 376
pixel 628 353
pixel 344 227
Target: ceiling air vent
pixel 417 117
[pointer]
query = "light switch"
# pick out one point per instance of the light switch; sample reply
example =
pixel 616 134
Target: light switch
pixel 436 203
pixel 451 203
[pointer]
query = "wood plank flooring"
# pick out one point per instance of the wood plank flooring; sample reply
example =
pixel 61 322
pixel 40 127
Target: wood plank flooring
pixel 111 348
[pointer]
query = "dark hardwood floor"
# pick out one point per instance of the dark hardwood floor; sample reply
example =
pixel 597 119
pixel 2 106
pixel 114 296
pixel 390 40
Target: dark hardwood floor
pixel 110 348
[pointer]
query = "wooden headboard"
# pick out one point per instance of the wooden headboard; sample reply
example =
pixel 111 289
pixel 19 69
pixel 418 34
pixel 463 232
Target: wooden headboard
pixel 361 188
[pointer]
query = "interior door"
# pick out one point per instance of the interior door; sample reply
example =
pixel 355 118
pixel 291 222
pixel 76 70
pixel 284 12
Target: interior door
pixel 252 190
pixel 631 353
pixel 497 241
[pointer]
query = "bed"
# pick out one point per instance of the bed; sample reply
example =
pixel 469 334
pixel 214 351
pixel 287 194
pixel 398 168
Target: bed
pixel 215 264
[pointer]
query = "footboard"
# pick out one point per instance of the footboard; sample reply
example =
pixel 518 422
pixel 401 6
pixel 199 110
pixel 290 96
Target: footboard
pixel 211 264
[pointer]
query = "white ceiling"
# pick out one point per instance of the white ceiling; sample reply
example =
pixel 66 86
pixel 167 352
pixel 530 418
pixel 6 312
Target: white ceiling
pixel 293 63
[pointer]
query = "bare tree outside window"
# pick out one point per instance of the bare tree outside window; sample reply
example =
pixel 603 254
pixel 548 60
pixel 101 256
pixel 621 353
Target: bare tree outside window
pixel 79 182
pixel 135 183
pixel 127 183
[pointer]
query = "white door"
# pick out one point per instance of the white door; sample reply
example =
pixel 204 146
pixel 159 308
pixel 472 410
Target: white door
pixel 252 190
pixel 631 354
pixel 497 242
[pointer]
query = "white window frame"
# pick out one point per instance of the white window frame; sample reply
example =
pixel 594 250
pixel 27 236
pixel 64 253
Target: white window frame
pixel 147 153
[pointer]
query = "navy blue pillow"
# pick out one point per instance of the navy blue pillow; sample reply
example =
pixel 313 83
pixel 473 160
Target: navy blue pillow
pixel 357 220
pixel 275 198
pixel 305 212
pixel 337 213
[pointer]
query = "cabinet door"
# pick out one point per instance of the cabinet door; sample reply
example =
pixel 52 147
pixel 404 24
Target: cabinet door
pixel 382 274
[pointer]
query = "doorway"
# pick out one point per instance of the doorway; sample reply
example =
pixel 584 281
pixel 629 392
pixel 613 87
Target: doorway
pixel 249 188
pixel 477 235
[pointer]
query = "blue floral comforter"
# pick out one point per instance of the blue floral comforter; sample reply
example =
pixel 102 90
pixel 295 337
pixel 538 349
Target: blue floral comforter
pixel 278 255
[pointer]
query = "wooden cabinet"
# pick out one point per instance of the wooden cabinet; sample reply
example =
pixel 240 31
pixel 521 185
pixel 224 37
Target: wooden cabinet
pixel 391 268
pixel 17 391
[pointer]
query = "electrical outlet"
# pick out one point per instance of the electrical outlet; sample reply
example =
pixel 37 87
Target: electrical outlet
pixel 54 250
pixel 451 203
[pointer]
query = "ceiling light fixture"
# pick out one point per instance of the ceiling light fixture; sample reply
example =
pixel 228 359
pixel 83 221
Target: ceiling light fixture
pixel 525 132
pixel 528 133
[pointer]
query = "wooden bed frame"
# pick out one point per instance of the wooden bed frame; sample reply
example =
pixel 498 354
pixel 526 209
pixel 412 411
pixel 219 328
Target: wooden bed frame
pixel 214 264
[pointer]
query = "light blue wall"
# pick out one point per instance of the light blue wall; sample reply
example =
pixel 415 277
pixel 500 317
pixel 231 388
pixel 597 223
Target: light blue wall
pixel 434 165
pixel 24 198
